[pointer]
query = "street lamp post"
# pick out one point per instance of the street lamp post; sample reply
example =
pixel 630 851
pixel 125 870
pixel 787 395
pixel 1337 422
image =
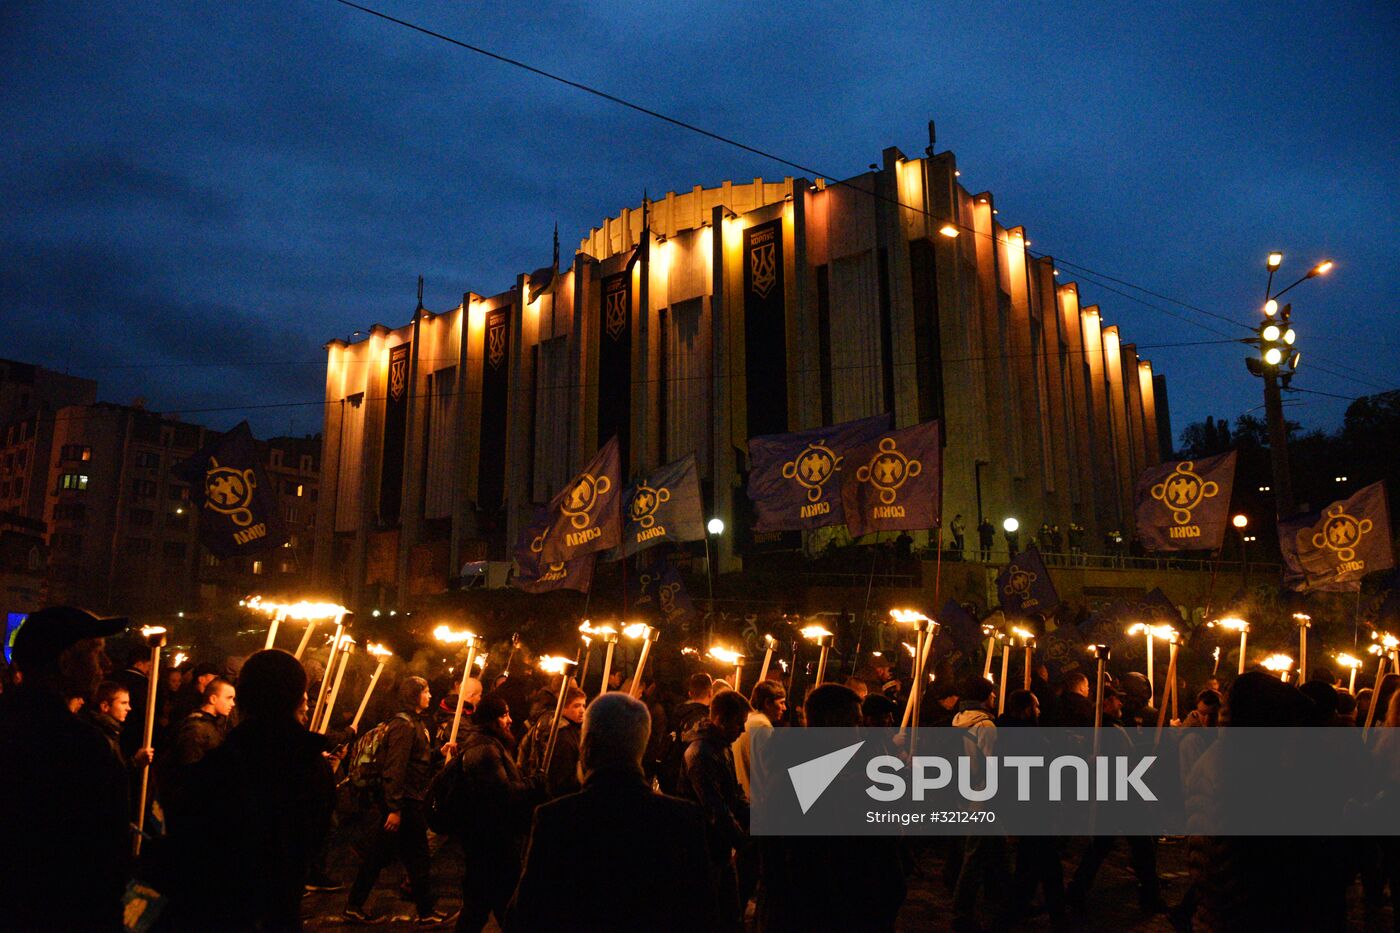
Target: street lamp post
pixel 1009 527
pixel 1276 364
pixel 1241 522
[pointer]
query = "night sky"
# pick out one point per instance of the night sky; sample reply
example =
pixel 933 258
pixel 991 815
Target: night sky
pixel 199 195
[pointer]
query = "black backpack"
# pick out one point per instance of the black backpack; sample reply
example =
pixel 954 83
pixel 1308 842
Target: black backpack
pixel 365 769
pixel 447 804
pixel 671 757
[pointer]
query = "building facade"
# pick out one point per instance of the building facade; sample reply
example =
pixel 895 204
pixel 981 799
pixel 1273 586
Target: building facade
pixel 717 314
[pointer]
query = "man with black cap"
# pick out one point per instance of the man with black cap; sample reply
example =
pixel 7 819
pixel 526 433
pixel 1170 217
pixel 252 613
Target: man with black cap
pixel 63 792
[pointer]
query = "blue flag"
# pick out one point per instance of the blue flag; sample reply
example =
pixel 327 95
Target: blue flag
pixel 237 505
pixel 1024 587
pixel 795 479
pixel 1185 505
pixel 1331 551
pixel 663 507
pixel 959 636
pixel 584 516
pixel 535 575
pixel 895 482
pixel 660 592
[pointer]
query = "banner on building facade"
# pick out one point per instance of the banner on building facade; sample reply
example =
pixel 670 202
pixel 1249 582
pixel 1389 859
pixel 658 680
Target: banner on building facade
pixel 395 434
pixel 1024 587
pixel 495 390
pixel 236 503
pixel 664 506
pixel 615 360
pixel 895 482
pixel 795 480
pixel 1332 550
pixel 765 330
pixel 534 575
pixel 1185 505
pixel 585 516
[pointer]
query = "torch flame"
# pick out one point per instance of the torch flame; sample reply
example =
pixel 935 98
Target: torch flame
pixel 687 650
pixel 1278 662
pixel 1215 655
pixel 1231 622
pixel 302 610
pixel 770 642
pixel 908 615
pixel 1302 618
pixel 481 662
pixel 180 658
pixel 908 647
pixel 727 655
pixel 148 630
pixel 379 651
pixel 552 664
pixel 585 627
pixel 1388 641
pixel 1347 660
pixel 450 636
pixel 1157 631
pixel 1023 634
pixel 636 630
pixel 815 631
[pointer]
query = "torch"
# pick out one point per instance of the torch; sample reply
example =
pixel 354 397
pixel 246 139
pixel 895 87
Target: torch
pixel 155 639
pixel 552 664
pixel 450 636
pixel 1304 622
pixel 823 640
pixel 382 655
pixel 585 631
pixel 1279 664
pixel 1375 691
pixel 769 644
pixel 347 649
pixel 609 636
pixel 729 656
pixel 313 613
pixel 1101 654
pixel 1027 642
pixel 330 666
pixel 991 634
pixel 924 632
pixel 1346 660
pixel 1239 625
pixel 1173 639
pixel 1151 632
pixel 649 636
pixel 1005 666
pixel 1215 671
pixel 277 617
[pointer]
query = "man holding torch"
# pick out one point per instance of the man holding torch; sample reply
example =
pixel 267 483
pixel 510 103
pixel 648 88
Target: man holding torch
pixel 407 759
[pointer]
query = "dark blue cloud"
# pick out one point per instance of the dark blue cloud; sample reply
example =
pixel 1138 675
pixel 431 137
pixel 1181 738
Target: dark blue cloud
pixel 237 183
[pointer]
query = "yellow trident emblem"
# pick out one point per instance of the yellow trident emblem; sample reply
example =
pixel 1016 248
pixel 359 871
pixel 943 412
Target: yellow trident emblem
pixel 1183 491
pixel 812 467
pixel 645 501
pixel 888 470
pixel 580 501
pixel 537 546
pixel 230 492
pixel 1341 533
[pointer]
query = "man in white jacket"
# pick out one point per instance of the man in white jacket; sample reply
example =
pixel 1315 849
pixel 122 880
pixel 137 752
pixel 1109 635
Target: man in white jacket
pixel 769 701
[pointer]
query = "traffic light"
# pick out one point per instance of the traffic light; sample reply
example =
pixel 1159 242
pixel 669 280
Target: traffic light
pixel 1275 339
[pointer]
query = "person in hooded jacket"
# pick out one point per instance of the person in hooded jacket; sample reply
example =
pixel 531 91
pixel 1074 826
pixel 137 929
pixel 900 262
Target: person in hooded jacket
pixel 984 861
pixel 502 802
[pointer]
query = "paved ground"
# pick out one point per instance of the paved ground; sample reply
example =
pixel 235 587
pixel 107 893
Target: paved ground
pixel 1113 902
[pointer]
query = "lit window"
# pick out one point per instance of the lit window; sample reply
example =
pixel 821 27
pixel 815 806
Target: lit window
pixel 257 567
pixel 301 489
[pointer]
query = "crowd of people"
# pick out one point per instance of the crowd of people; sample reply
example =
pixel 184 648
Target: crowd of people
pixel 615 813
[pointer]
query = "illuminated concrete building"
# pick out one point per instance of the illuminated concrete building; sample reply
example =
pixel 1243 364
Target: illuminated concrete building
pixel 745 309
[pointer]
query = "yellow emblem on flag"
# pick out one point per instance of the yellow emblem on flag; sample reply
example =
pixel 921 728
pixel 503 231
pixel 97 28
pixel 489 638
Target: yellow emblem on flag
pixel 230 492
pixel 1183 491
pixel 888 470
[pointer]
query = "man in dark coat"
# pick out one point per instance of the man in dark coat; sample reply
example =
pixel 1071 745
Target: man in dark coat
pixel 710 780
pixel 407 771
pixel 570 880
pixel 263 798
pixel 64 841
pixel 502 801
pixel 198 734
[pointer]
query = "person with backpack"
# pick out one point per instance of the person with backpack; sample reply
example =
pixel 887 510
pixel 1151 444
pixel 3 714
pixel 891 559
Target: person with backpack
pixel 563 766
pixel 405 756
pixel 491 804
pixel 688 717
